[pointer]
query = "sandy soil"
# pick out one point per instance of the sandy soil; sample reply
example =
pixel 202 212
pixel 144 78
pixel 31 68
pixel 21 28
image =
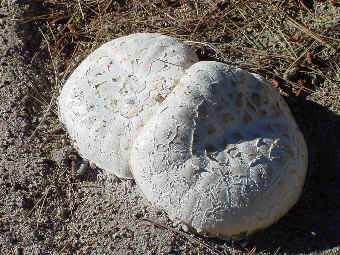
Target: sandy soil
pixel 46 210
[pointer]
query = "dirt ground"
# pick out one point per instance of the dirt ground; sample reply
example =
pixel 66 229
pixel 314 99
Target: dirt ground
pixel 44 209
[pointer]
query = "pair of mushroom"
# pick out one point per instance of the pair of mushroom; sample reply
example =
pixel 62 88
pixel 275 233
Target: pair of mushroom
pixel 215 146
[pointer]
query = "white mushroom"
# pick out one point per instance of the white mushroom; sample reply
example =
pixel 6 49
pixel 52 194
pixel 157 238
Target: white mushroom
pixel 222 154
pixel 216 147
pixel 115 90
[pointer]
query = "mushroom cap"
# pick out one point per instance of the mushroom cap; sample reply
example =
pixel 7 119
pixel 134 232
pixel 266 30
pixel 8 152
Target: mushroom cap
pixel 115 90
pixel 223 154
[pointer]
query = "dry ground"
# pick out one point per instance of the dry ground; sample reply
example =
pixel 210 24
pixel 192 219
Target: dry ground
pixel 46 210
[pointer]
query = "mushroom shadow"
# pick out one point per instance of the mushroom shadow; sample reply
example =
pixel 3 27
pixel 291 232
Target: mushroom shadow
pixel 313 224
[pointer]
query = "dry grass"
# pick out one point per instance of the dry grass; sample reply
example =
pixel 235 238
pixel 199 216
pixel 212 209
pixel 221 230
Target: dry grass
pixel 295 44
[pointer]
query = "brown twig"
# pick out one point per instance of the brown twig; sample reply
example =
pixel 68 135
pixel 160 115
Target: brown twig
pixel 277 251
pixel 306 30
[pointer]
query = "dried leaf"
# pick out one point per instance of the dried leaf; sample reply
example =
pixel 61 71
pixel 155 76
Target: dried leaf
pixel 309 58
pixel 165 3
pixel 275 83
pixel 335 3
pixel 57 131
pixel 53 19
pixel 60 41
pixel 73 30
pixel 107 5
pixel 302 83
pixel 296 38
pixel 300 86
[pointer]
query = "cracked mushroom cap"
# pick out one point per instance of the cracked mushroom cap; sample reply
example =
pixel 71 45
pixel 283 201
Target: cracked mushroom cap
pixel 223 154
pixel 115 90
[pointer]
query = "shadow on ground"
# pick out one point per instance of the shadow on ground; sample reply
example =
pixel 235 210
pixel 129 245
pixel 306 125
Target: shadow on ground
pixel 313 225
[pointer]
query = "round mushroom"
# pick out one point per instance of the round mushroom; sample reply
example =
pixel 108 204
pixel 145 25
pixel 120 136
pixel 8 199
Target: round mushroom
pixel 115 90
pixel 222 154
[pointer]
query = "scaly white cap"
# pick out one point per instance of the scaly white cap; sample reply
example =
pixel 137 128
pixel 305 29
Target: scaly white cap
pixel 223 153
pixel 115 90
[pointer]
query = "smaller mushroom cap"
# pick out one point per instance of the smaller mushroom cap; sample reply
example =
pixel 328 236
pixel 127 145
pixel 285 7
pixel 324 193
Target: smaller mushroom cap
pixel 223 153
pixel 115 90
